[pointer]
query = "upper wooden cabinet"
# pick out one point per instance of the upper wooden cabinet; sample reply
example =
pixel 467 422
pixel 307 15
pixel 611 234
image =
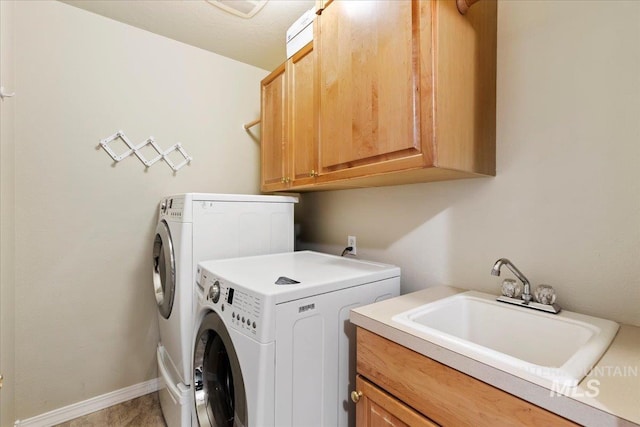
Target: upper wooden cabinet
pixel 302 117
pixel 288 142
pixel 274 130
pixel 368 95
pixel 403 91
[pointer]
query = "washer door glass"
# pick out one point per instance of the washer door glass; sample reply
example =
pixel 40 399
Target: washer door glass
pixel 164 269
pixel 219 393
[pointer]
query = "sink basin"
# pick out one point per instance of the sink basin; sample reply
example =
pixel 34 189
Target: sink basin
pixel 557 348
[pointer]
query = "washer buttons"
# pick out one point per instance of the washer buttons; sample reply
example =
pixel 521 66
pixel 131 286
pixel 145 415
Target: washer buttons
pixel 254 325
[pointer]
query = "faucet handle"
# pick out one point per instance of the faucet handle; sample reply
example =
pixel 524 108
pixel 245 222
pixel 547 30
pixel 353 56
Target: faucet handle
pixel 544 294
pixel 511 288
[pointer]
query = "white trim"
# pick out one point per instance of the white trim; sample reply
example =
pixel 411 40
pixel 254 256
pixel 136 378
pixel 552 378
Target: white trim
pixel 68 413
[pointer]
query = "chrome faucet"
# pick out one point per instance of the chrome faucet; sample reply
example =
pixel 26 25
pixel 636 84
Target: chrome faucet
pixel 526 292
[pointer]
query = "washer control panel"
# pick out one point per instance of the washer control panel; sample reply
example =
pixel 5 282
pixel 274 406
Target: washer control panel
pixel 239 308
pixel 172 207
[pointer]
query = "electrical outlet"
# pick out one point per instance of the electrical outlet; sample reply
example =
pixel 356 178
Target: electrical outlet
pixel 351 241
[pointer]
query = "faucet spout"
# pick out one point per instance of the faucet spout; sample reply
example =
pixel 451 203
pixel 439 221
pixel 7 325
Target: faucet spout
pixel 495 271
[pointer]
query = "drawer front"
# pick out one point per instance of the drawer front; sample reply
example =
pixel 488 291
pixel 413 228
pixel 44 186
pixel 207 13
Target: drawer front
pixel 447 396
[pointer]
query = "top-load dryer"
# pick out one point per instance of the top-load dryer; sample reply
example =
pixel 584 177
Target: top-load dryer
pixel 191 228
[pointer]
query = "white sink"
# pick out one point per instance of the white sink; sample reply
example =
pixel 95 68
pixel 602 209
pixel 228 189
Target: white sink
pixel 560 348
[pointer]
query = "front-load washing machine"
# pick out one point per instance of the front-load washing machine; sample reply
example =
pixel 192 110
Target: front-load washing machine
pixel 191 228
pixel 274 345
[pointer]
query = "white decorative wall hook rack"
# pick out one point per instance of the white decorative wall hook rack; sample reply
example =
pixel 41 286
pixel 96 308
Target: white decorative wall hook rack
pixel 135 149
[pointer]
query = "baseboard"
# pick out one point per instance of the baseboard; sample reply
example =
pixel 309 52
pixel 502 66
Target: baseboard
pixel 88 406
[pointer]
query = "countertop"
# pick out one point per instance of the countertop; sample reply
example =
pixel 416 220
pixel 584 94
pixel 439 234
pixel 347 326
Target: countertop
pixel 608 396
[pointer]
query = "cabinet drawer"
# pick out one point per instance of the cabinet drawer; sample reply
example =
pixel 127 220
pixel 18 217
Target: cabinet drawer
pixel 447 396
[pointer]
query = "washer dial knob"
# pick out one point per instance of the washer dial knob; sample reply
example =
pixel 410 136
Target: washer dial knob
pixel 214 292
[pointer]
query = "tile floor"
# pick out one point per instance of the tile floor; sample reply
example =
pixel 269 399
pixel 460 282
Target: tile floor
pixel 141 412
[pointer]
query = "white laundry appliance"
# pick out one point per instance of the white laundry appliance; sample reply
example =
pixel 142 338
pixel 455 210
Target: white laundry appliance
pixel 194 227
pixel 274 346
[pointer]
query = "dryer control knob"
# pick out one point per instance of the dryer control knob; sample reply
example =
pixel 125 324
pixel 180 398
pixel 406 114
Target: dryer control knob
pixel 214 292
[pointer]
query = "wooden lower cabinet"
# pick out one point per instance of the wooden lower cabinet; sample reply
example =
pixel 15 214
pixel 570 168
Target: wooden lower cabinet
pixel 375 408
pixel 401 387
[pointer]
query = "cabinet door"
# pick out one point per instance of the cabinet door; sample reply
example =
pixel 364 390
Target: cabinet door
pixel 273 130
pixel 368 54
pixel 321 4
pixel 302 117
pixel 379 409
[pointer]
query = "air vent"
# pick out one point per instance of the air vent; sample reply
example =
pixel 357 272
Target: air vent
pixel 242 8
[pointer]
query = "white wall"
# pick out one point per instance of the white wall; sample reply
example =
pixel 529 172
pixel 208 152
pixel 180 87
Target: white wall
pixel 85 312
pixel 565 204
pixel 7 225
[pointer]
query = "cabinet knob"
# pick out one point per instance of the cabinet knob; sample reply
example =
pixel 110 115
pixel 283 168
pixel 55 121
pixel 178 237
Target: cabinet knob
pixel 355 396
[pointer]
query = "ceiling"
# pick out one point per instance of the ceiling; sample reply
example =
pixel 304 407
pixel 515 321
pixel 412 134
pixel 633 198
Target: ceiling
pixel 259 41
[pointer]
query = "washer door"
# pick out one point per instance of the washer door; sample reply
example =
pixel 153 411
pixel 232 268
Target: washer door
pixel 164 269
pixel 218 386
